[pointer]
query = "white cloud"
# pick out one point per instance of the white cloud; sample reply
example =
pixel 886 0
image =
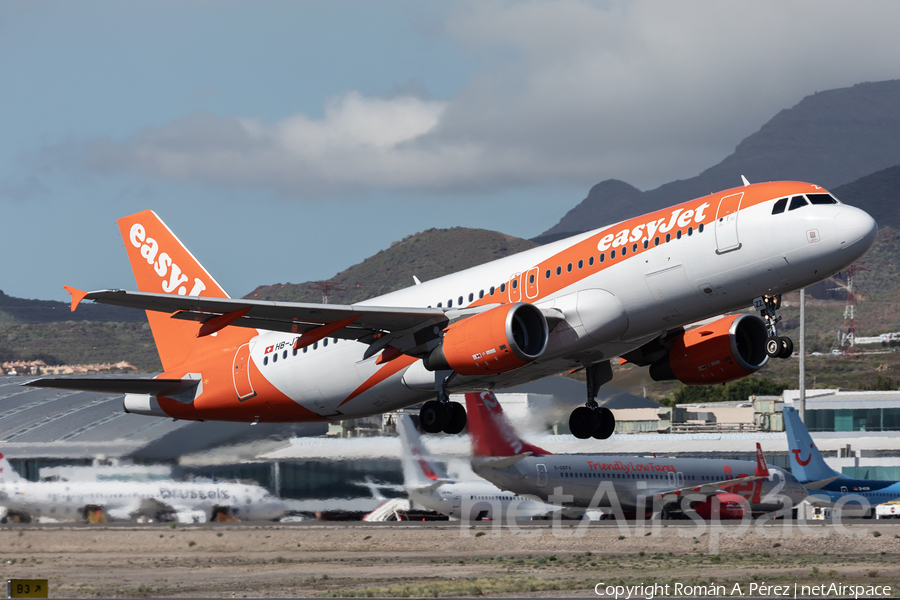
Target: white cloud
pixel 569 90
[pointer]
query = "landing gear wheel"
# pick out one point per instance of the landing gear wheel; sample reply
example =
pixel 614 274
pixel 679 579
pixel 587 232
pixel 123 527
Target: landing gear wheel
pixel 773 346
pixel 433 416
pixel 457 418
pixel 787 348
pixel 583 422
pixel 606 423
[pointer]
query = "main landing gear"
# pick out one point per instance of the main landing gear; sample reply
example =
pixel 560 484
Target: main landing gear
pixel 592 420
pixel 776 345
pixel 441 414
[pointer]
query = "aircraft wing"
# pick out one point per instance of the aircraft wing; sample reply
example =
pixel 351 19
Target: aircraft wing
pixel 431 487
pixel 166 387
pixel 711 488
pixel 352 321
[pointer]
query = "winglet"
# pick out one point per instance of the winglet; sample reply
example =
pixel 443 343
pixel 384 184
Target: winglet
pixel 762 469
pixel 744 179
pixel 77 297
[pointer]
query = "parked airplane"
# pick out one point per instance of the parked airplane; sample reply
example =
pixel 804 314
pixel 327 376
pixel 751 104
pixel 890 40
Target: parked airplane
pixel 625 290
pixel 122 501
pixel 826 486
pixel 428 484
pixel 723 489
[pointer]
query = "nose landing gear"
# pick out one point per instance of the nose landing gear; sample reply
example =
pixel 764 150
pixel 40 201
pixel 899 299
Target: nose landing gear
pixel 592 420
pixel 776 346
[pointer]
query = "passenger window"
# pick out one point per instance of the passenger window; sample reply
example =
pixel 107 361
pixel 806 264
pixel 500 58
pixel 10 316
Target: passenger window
pixel 668 237
pixel 284 354
pixel 569 268
pixel 275 358
pixel 334 340
pixel 590 261
pixel 612 254
pixel 502 287
pixel 294 353
pixel 678 234
pixel 459 301
pixel 700 228
pixel 315 345
pixel 633 248
pixel 471 297
pixel 305 348
pixel 547 274
pixel 646 243
pixel 531 278
pixel 580 264
pixel 440 304
pixel 797 202
pixel 266 360
pixel 690 231
pixel 449 303
pixel 559 270
pixel 481 294
pixel 325 343
pixel 603 258
pixel 656 241
pixel 779 206
pixel 821 199
pixel 624 250
pixel 492 290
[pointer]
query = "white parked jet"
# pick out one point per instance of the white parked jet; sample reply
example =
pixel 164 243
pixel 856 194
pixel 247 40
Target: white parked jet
pixel 428 484
pixel 187 502
pixel 625 290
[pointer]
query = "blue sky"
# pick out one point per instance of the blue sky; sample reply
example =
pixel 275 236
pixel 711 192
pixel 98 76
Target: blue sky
pixel 285 141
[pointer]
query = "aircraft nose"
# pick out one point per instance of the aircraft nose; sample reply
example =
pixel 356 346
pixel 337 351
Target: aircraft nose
pixel 854 227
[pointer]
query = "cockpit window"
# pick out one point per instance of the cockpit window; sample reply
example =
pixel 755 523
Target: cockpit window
pixel 821 199
pixel 797 202
pixel 779 206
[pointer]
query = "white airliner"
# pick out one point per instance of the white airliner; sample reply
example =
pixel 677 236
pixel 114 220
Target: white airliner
pixel 428 484
pixel 123 501
pixel 626 290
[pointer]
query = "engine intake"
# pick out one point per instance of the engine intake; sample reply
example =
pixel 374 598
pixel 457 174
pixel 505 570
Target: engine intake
pixel 724 350
pixel 498 340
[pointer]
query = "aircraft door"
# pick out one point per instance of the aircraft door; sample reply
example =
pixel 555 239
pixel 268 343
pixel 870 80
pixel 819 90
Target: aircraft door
pixel 679 479
pixel 727 223
pixel 541 475
pixel 456 501
pixel 515 289
pixel 671 478
pixel 531 283
pixel 241 373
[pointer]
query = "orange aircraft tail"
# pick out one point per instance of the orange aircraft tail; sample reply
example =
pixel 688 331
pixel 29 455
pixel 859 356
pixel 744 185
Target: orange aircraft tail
pixel 162 264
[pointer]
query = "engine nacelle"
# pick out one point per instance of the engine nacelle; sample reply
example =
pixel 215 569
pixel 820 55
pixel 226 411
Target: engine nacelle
pixel 722 506
pixel 724 350
pixel 498 340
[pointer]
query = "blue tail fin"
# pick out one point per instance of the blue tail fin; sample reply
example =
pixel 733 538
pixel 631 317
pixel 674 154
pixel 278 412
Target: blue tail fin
pixel 807 463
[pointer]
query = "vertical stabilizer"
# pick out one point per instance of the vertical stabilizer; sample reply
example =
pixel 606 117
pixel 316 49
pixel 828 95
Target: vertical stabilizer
pixel 419 469
pixel 7 473
pixel 491 432
pixel 807 463
pixel 162 264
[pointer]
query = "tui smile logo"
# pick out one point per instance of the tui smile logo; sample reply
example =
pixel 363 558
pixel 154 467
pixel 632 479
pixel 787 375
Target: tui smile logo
pixel 800 461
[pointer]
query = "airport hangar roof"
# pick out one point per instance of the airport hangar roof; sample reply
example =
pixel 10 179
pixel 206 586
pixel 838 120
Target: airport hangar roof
pixel 62 424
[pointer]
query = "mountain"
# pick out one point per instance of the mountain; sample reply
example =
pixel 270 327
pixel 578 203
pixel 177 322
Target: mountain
pixel 877 194
pixel 829 138
pixel 426 255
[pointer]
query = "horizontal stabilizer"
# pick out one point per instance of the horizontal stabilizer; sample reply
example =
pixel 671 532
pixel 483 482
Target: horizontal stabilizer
pixel 430 488
pixel 500 462
pixel 818 485
pixel 153 387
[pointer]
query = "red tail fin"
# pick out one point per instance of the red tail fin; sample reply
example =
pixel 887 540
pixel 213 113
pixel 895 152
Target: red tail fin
pixel 491 432
pixel 161 263
pixel 762 469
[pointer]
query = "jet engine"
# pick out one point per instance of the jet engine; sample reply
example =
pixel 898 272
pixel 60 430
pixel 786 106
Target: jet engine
pixel 495 341
pixel 718 352
pixel 722 506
